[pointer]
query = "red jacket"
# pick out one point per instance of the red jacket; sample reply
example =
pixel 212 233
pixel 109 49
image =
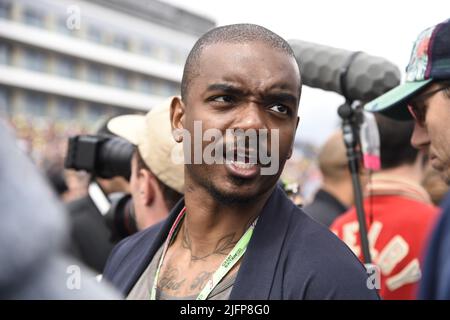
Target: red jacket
pixel 399 218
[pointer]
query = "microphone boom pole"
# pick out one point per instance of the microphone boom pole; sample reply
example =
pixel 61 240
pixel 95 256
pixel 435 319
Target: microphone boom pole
pixel 358 77
pixel 349 131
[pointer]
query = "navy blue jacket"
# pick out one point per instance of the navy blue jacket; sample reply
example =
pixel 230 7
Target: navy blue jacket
pixel 435 283
pixel 289 256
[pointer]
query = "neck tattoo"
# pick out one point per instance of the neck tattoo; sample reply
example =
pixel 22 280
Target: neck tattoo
pixel 223 246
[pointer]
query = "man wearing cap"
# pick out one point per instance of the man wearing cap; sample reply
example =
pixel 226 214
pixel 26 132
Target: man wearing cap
pixel 236 235
pixel 425 97
pixel 156 183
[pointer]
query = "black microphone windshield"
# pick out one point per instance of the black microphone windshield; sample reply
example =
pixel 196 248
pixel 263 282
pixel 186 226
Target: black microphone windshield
pixel 367 76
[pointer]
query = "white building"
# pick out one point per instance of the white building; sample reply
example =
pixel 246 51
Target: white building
pixel 78 61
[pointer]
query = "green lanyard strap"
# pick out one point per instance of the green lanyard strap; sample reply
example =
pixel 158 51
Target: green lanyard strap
pixel 233 257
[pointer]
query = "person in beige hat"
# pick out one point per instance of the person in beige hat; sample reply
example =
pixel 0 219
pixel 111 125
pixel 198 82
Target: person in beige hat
pixel 156 182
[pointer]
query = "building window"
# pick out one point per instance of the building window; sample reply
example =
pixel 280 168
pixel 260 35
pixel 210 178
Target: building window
pixel 5 53
pixel 167 89
pixel 61 26
pixel 96 112
pixel 35 60
pixel 66 67
pixel 96 74
pixel 170 54
pixel 145 85
pixel 5 9
pixel 121 79
pixel 158 87
pixel 148 49
pixel 94 34
pixel 66 108
pixel 5 100
pixel 161 87
pixel 36 104
pixel 33 17
pixel 120 42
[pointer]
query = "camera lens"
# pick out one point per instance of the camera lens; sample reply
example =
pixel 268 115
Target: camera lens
pixel 114 158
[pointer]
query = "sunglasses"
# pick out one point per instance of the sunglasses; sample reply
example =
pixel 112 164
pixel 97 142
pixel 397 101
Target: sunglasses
pixel 417 106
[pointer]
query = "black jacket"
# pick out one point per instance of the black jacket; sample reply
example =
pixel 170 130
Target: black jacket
pixel 325 208
pixel 289 257
pixel 90 236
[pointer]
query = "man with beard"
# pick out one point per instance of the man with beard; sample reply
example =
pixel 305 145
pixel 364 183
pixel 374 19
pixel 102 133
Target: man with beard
pixel 425 97
pixel 236 235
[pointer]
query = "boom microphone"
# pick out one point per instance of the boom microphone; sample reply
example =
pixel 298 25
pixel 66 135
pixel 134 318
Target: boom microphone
pixel 367 77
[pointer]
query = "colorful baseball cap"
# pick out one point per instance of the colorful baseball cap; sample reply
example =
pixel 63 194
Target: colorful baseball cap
pixel 430 61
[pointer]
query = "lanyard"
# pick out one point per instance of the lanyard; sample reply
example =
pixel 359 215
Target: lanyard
pixel 233 257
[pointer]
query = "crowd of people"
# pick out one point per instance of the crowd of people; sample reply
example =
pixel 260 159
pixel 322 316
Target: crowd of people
pixel 226 230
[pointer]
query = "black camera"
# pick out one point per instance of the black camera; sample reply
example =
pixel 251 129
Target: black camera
pixel 106 157
pixel 102 156
pixel 121 218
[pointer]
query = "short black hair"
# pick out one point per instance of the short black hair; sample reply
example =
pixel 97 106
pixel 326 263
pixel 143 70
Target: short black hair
pixel 234 33
pixel 395 142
